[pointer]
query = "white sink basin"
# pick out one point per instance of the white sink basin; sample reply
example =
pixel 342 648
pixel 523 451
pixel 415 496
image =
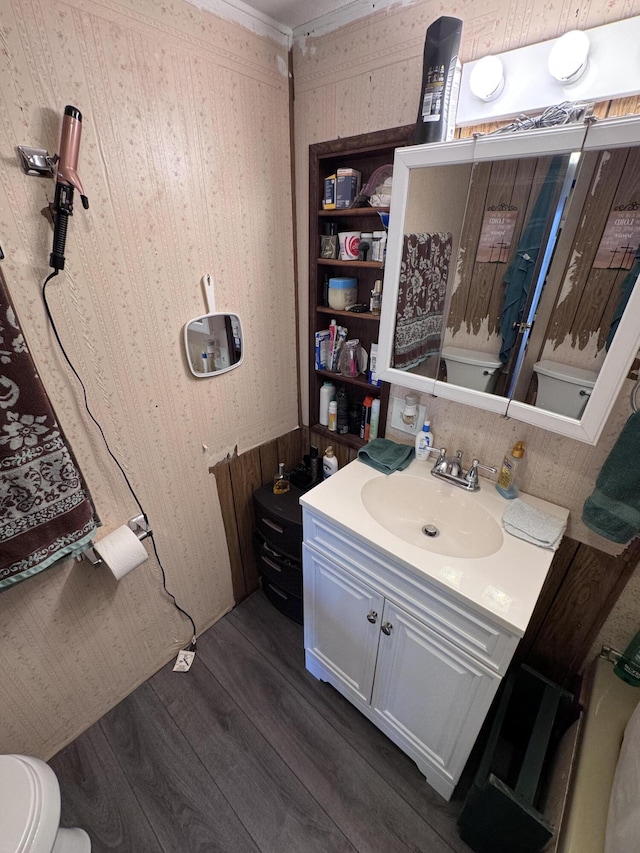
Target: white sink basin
pixel 472 558
pixel 405 505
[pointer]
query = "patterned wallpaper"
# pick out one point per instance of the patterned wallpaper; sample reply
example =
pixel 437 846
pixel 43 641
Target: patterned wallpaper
pixel 185 159
pixel 365 77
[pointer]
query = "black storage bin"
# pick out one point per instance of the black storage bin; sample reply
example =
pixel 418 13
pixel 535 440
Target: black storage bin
pixel 286 602
pixel 503 812
pixel 279 519
pixel 281 570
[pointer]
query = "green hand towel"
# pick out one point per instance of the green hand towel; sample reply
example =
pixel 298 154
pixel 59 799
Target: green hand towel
pixel 613 509
pixel 386 456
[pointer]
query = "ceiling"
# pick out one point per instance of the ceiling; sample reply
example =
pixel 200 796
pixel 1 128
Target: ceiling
pixel 296 13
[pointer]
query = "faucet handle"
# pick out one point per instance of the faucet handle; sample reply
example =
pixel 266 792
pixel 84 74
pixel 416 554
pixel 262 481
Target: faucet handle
pixel 472 474
pixel 441 462
pixel 435 450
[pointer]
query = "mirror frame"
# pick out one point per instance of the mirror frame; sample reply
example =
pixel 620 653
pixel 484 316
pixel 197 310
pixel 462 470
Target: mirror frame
pixel 200 375
pixel 535 143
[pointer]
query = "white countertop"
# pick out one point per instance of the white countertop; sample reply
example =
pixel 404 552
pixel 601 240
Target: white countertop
pixel 504 585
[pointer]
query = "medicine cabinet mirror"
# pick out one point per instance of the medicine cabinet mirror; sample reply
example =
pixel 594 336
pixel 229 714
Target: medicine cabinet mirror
pixel 510 272
pixel 213 344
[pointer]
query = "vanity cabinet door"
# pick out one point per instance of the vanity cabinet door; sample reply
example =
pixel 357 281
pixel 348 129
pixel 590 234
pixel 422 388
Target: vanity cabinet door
pixel 341 625
pixel 429 696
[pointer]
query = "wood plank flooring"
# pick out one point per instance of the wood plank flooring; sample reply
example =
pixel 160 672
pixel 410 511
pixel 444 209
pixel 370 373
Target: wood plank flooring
pixel 247 752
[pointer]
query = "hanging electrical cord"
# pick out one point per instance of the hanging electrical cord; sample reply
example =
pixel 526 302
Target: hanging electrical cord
pixel 192 646
pixel 558 114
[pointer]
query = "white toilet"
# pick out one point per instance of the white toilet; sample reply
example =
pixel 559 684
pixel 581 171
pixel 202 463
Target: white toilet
pixel 30 810
pixel 563 389
pixel 471 369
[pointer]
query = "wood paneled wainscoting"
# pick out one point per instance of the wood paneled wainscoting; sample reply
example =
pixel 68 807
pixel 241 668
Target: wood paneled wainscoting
pixel 582 586
pixel 237 478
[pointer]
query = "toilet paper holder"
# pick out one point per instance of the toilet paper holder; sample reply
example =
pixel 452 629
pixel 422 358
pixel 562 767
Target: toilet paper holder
pixel 139 525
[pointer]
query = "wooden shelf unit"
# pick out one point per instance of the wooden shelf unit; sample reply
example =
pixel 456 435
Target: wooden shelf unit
pixel 366 153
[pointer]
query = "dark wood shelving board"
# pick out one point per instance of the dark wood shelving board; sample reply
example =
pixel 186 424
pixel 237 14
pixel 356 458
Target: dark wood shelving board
pixel 353 211
pixel 336 262
pixel 359 380
pixel 358 315
pixel 347 438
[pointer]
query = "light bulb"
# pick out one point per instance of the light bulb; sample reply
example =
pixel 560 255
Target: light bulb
pixel 568 58
pixel 486 80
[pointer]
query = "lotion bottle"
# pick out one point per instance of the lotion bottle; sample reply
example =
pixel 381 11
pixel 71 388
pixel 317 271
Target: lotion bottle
pixel 506 484
pixel 424 440
pixel 327 394
pixel 329 463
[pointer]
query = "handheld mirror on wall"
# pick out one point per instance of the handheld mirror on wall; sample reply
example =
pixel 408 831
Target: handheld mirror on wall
pixel 213 342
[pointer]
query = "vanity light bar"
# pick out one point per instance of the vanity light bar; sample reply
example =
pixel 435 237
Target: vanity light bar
pixel 611 70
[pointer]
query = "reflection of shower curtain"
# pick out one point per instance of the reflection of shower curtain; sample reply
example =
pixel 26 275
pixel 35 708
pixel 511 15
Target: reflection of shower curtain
pixel 626 289
pixel 421 293
pixel 519 275
pixel 45 511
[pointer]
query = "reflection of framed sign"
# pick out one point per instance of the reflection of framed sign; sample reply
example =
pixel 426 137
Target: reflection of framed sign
pixel 620 239
pixel 498 225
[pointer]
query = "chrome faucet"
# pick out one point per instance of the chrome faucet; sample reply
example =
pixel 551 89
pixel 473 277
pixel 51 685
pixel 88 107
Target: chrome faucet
pixel 451 470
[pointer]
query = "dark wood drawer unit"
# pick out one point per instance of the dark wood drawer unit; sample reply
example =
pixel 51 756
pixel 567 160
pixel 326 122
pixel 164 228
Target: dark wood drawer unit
pixel 278 548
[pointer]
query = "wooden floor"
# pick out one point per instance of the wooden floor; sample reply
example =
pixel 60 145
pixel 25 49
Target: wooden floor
pixel 247 752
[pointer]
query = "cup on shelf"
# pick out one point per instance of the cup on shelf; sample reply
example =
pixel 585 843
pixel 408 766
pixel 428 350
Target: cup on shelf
pixel 349 245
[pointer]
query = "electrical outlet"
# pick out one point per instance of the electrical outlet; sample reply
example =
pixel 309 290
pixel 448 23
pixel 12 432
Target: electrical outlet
pixel 399 424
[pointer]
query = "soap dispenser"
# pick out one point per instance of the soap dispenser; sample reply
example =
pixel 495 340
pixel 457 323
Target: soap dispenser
pixel 506 484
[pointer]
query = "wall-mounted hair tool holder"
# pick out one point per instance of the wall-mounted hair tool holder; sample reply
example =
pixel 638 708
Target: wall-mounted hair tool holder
pixel 37 162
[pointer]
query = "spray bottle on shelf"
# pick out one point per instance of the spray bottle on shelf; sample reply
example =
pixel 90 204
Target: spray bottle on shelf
pixel 506 484
pixel 424 440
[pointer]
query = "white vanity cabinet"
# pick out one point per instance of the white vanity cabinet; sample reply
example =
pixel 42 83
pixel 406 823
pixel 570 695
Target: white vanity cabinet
pixel 414 662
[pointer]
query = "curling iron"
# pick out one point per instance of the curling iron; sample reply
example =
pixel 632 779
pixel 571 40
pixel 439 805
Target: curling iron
pixel 66 179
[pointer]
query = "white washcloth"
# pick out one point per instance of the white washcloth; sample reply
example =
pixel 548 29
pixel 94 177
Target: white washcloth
pixel 533 525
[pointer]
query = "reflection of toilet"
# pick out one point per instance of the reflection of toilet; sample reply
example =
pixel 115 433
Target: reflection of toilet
pixel 563 389
pixel 30 812
pixel 471 369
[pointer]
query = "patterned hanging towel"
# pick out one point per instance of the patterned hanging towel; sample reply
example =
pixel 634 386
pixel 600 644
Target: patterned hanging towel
pixel 421 293
pixel 45 509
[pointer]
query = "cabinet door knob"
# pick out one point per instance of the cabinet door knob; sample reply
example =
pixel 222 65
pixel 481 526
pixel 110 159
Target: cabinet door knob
pixel 372 616
pixel 387 628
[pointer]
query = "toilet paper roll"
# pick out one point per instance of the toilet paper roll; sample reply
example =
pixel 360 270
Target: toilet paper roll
pixel 121 551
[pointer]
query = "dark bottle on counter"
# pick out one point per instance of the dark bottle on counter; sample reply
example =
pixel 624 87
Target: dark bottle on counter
pixel 440 81
pixel 628 667
pixel 342 399
pixel 314 465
